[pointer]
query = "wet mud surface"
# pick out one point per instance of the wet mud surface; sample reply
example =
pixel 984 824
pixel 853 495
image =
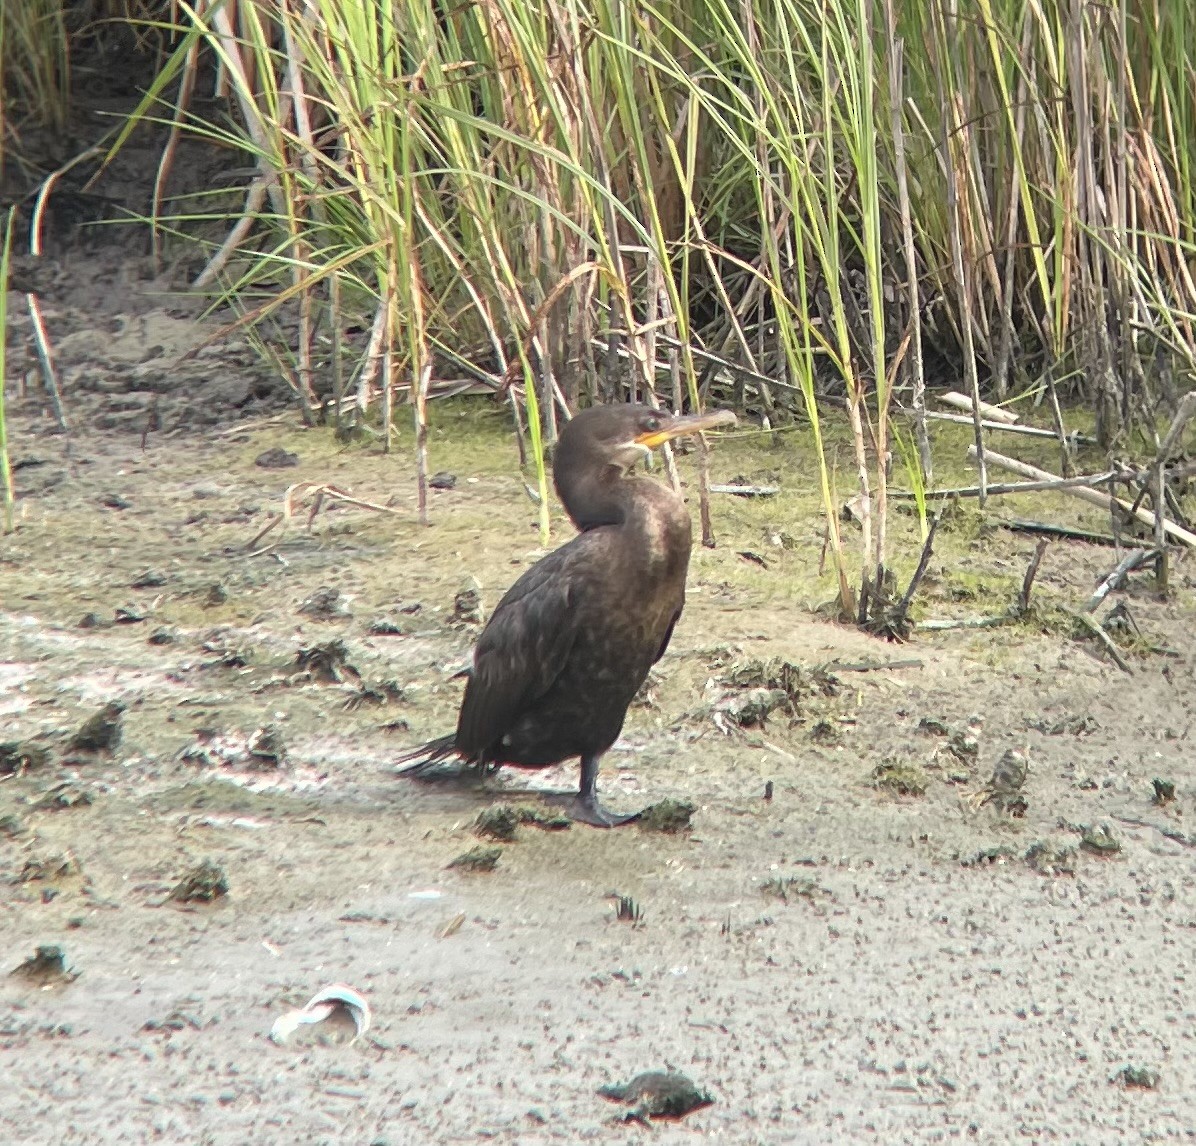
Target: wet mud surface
pixel 201 827
pixel 883 951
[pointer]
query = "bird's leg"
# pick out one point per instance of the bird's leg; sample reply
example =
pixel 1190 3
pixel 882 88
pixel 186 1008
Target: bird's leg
pixel 585 807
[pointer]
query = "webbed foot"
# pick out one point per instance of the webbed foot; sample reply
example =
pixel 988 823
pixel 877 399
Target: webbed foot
pixel 587 810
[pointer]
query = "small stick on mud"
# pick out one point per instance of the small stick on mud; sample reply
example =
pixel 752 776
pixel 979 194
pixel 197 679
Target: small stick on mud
pixel 902 610
pixel 940 626
pixel 44 353
pixel 1092 496
pixel 1158 484
pixel 704 492
pixel 747 490
pixel 1104 639
pixel 963 402
pixel 1065 531
pixel 1135 559
pixel 1023 600
pixel 1028 431
pixel 296 494
pixel 1093 480
pixel 255 198
pixel 871 666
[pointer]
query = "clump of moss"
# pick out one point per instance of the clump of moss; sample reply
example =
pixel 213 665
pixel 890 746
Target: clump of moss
pixel 1051 859
pixel 668 816
pixel 795 682
pixel 45 967
pixel 1136 1077
pixel 22 756
pixel 501 821
pixel 203 884
pixel 900 778
pixel 1164 791
pixel 787 887
pixel 1100 841
pixel 477 859
pixel 100 732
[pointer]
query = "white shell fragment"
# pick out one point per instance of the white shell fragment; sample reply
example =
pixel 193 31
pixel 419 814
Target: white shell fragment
pixel 324 1003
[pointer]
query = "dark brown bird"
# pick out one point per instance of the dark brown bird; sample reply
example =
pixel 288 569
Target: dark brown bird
pixel 571 642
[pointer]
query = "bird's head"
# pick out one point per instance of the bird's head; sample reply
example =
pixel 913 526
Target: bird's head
pixel 622 435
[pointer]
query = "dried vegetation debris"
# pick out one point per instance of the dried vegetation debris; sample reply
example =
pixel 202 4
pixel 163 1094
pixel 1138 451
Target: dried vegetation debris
pixel 19 756
pixel 668 815
pixel 204 883
pixel 502 821
pixel 657 1094
pixel 101 732
pixel 325 604
pixel 327 663
pixel 468 608
pixel 900 777
pixel 1004 787
pixel 261 750
pixel 788 888
pixel 749 691
pixel 1055 856
pixel 477 859
pixel 46 967
pixel 62 795
pixel 50 868
pixel 1051 858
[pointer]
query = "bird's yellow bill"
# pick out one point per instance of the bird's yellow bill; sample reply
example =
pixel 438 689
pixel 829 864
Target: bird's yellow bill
pixel 689 424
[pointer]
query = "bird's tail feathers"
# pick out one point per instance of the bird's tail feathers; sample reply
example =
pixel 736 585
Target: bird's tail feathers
pixel 441 759
pixel 425 757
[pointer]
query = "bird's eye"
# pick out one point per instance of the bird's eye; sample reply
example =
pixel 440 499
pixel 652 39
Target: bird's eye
pixel 651 424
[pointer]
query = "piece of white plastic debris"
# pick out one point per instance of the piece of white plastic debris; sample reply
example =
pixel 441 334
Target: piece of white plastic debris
pixel 430 894
pixel 322 1005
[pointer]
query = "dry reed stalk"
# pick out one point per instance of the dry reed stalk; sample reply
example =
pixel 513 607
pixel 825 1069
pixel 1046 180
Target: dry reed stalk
pixel 1158 483
pixel 1084 493
pixel 1007 428
pixel 987 410
pixel 1093 481
pixel 255 198
pixel 913 297
pixel 320 492
pixel 166 161
pixel 1135 559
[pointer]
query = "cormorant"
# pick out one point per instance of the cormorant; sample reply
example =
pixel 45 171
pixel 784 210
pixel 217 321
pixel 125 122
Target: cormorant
pixel 568 647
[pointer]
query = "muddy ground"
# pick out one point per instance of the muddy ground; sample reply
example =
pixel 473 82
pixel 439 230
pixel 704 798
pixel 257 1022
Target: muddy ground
pixel 875 954
pixel 918 980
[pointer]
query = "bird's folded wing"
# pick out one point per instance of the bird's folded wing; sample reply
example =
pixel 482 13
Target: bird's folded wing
pixel 521 652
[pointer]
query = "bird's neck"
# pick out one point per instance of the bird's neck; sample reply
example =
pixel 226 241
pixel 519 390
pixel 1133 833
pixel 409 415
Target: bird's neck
pixel 596 496
pixel 649 514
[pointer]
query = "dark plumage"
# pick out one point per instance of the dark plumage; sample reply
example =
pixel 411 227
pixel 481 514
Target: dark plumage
pixel 571 642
